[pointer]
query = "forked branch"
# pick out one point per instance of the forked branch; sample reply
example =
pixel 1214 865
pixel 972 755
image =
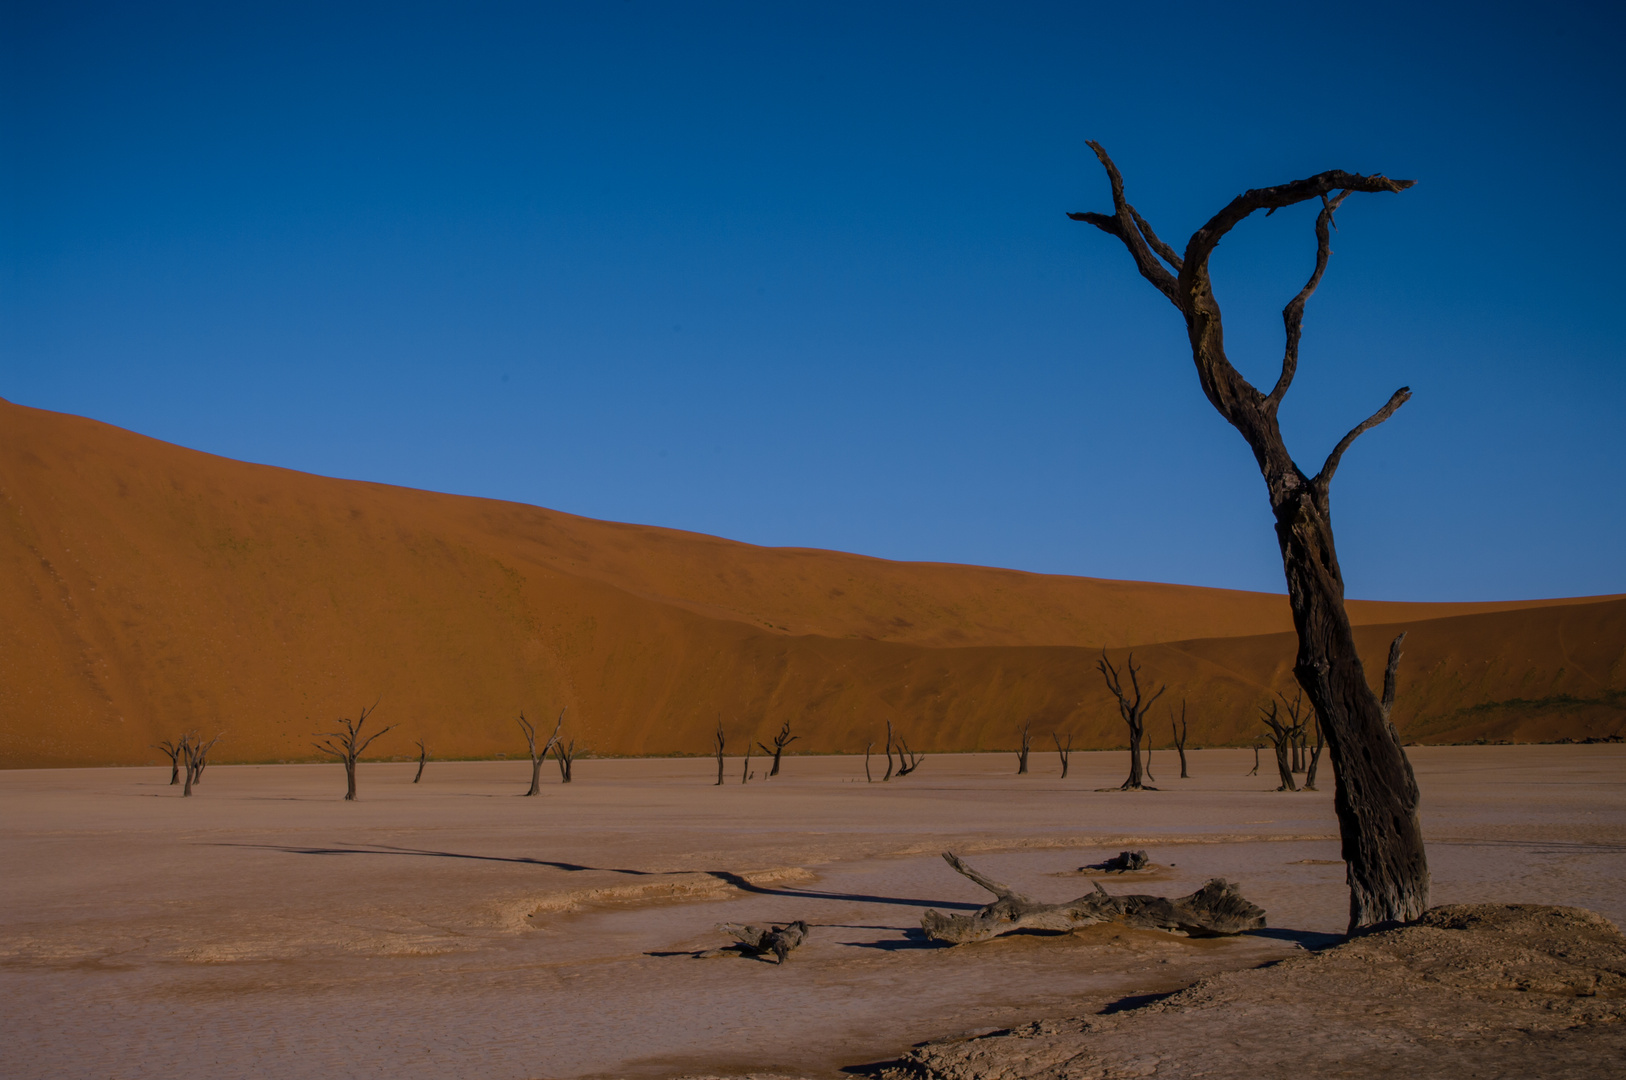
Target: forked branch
pixel 1323 479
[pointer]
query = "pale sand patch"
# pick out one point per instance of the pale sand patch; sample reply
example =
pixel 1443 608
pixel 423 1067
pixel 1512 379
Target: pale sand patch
pixel 267 928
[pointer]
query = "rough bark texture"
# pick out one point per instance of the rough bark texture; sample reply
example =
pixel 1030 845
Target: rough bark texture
pixel 1213 910
pixel 1376 798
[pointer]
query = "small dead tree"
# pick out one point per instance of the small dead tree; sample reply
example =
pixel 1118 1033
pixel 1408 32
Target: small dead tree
pixel 745 769
pixel 201 757
pixel 1377 797
pixel 718 739
pixel 1179 731
pixel 173 752
pixel 1132 706
pixel 888 775
pixel 538 757
pixel 780 741
pixel 189 760
pixel 1282 734
pixel 423 756
pixel 565 753
pixel 1314 754
pixel 1064 750
pixel 868 778
pixel 1255 770
pixel 908 760
pixel 1022 754
pixel 347 745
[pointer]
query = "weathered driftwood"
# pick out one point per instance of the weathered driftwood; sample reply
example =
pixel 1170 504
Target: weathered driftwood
pixel 761 940
pixel 1122 863
pixel 1215 909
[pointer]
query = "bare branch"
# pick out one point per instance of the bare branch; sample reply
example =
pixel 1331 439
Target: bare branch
pixel 1388 701
pixel 1128 226
pixel 1293 313
pixel 1323 479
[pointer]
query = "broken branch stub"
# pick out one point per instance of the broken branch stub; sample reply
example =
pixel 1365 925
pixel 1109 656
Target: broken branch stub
pixel 1214 910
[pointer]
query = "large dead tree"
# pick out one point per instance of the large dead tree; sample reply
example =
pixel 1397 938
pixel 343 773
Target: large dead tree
pixel 1132 706
pixel 780 741
pixel 528 729
pixel 1376 798
pixel 1213 910
pixel 347 745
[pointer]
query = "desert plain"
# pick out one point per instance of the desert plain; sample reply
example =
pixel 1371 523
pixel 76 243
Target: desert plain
pixel 454 928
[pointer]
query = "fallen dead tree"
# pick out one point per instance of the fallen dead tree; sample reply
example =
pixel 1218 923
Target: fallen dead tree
pixel 761 940
pixel 1214 910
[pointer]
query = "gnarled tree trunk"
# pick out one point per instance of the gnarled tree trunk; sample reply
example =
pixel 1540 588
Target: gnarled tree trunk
pixel 1376 798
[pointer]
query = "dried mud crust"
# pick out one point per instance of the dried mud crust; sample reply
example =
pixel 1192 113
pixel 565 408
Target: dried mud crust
pixel 1468 991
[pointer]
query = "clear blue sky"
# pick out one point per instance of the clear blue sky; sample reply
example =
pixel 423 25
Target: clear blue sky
pixel 800 275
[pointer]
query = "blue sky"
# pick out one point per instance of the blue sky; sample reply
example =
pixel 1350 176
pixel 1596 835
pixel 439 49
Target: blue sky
pixel 800 274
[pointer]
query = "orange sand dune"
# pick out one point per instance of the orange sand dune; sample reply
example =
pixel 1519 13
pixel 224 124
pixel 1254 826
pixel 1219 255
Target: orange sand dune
pixel 149 589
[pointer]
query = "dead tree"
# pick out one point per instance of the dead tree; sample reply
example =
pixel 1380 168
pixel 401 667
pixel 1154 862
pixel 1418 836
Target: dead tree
pixel 423 756
pixel 1149 776
pixel 745 769
pixel 869 779
pixel 1066 752
pixel 201 757
pixel 189 759
pixel 717 737
pixel 1179 732
pixel 1255 770
pixel 565 754
pixel 762 940
pixel 1314 755
pixel 1022 754
pixel 908 760
pixel 1283 733
pixel 1215 909
pixel 537 758
pixel 173 752
pixel 1132 706
pixel 888 775
pixel 348 745
pixel 780 741
pixel 1376 800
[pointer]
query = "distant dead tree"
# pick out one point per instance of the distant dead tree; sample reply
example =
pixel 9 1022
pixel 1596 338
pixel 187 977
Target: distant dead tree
pixel 423 756
pixel 1022 754
pixel 908 760
pixel 565 754
pixel 1149 776
pixel 528 729
pixel 348 745
pixel 1179 731
pixel 780 741
pixel 173 752
pixel 1065 751
pixel 1132 706
pixel 1313 755
pixel 1255 770
pixel 868 778
pixel 1282 734
pixel 717 737
pixel 745 769
pixel 1377 796
pixel 200 756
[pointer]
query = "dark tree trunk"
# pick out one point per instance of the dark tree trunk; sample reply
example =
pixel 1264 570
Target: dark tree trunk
pixel 1022 754
pixel 1065 752
pixel 350 781
pixel 888 775
pixel 1314 759
pixel 348 745
pixel 1179 734
pixel 1132 707
pixel 868 779
pixel 717 737
pixel 1376 796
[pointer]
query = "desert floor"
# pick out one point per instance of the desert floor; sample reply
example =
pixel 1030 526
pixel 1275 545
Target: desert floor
pixel 450 929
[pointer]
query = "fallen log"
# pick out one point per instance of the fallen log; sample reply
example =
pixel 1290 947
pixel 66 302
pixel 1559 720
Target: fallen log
pixel 761 940
pixel 1125 862
pixel 1214 910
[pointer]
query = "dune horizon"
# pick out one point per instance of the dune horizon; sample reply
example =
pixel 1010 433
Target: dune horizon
pixel 157 589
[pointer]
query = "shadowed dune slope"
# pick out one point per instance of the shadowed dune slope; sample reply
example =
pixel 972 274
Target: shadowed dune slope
pixel 149 589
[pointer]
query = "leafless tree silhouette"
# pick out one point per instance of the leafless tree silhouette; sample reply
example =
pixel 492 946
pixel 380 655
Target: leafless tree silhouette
pixel 780 741
pixel 1283 731
pixel 1132 706
pixel 1376 799
pixel 565 754
pixel 347 745
pixel 528 729
pixel 173 752
pixel 718 738
pixel 423 756
pixel 1065 750
pixel 1180 736
pixel 1022 754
